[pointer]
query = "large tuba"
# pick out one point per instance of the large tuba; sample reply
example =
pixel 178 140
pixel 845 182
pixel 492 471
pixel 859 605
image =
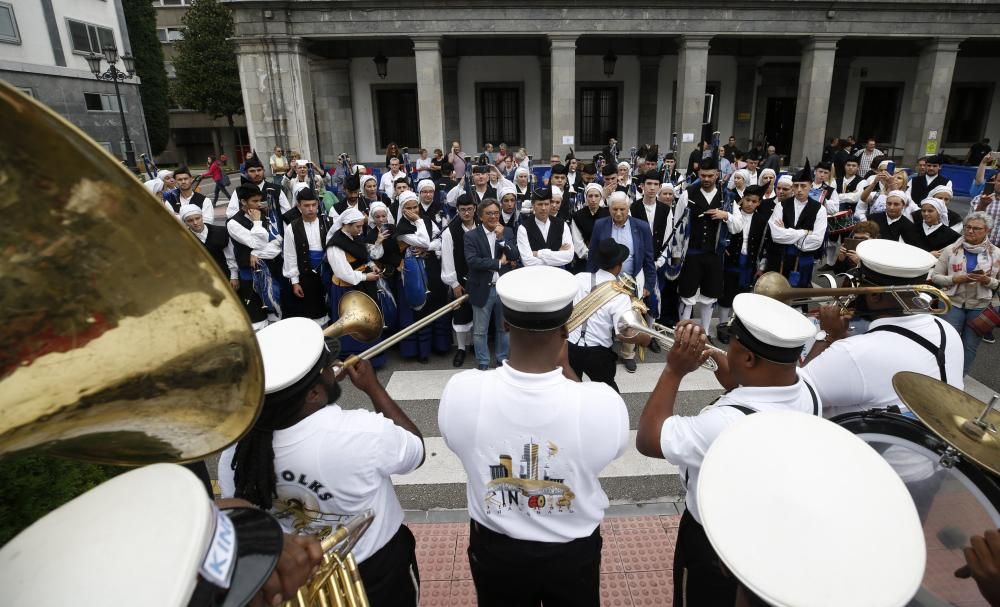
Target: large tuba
pixel 123 343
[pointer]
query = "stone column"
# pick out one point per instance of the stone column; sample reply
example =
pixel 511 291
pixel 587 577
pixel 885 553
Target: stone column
pixel 277 93
pixel 838 99
pixel 649 83
pixel 430 91
pixel 563 92
pixel 545 109
pixel 692 73
pixel 815 71
pixel 334 111
pixel 931 89
pixel 746 90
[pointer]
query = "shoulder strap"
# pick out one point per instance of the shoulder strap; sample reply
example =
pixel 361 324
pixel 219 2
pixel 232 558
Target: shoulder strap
pixel 936 352
pixel 583 330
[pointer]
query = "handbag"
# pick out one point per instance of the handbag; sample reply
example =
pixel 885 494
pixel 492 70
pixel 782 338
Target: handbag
pixel 414 282
pixel 225 180
pixel 984 324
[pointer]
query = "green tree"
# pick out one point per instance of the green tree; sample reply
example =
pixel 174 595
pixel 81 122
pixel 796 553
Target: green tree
pixel 140 16
pixel 208 79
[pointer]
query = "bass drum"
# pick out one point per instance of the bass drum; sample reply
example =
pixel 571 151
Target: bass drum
pixel 954 502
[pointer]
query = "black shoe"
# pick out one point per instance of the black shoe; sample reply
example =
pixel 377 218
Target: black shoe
pixel 423 360
pixel 722 334
pixel 483 367
pixel 459 359
pixel 630 365
pixel 654 347
pixel 990 339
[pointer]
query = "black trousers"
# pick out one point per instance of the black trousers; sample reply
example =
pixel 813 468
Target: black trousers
pixel 698 575
pixel 598 362
pixel 701 270
pixel 390 575
pixel 522 573
pixel 670 303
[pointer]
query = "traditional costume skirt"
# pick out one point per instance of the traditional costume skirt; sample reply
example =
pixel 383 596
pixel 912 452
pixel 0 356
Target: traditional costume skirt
pixel 436 337
pixel 313 305
pixel 738 279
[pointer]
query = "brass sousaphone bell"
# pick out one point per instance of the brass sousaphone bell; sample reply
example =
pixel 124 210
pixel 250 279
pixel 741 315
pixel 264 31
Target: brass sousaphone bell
pixel 123 343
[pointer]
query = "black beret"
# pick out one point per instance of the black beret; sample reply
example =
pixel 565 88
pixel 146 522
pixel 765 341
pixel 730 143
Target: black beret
pixel 560 169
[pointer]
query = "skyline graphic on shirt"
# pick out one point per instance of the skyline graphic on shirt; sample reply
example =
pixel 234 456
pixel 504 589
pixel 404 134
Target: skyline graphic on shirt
pixel 536 488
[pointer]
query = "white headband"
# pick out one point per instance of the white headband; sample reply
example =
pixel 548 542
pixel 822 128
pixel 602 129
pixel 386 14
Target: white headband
pixel 189 209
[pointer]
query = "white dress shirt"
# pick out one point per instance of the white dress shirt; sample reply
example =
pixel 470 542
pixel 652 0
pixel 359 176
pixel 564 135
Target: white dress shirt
pixel 685 439
pixel 449 275
pixel 227 252
pixel 545 257
pixel 601 326
pixel 806 240
pixel 386 185
pixel 257 238
pixel 207 210
pixel 290 263
pixel 234 202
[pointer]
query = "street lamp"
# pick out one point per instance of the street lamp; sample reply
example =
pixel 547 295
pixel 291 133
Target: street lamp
pixel 381 65
pixel 113 74
pixel 609 63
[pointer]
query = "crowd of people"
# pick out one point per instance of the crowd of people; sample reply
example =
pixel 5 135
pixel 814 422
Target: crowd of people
pixel 421 233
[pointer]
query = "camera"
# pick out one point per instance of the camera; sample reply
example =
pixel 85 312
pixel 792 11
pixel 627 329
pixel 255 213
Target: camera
pixel 406 150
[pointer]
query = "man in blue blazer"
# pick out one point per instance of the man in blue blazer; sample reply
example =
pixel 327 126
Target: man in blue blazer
pixel 636 235
pixel 490 250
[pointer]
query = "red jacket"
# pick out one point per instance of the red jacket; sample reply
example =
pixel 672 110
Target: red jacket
pixel 214 171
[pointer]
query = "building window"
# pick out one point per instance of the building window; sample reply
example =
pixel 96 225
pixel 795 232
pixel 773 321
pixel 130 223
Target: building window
pixel 968 110
pixel 8 25
pixel 171 2
pixel 170 34
pixel 500 115
pixel 396 116
pixel 89 38
pixel 598 115
pixel 102 102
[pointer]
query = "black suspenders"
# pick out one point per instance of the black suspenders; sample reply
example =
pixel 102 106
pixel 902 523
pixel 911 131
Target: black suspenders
pixel 747 410
pixel 936 352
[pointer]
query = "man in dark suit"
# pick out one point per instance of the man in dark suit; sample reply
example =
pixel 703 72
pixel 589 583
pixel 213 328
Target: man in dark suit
pixel 635 234
pixel 490 250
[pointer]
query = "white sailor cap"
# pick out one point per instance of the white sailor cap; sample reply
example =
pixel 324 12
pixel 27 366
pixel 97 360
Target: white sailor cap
pixel 537 298
pixel 292 350
pixel 889 262
pixel 770 328
pixel 151 536
pixel 813 529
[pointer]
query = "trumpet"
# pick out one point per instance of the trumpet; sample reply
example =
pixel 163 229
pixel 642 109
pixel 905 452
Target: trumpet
pixel 632 323
pixel 921 298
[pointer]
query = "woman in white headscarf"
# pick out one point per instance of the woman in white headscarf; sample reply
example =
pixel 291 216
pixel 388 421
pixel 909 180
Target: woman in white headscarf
pixel 768 179
pixel 422 291
pixel 944 193
pixel 934 234
pixel 383 248
pixel 347 254
pixel 583 223
pixel 522 184
pixel 741 179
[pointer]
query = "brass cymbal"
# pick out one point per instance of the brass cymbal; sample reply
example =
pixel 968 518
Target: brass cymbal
pixel 951 414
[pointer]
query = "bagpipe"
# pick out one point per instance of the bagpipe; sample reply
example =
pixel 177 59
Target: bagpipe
pixel 150 165
pixel 633 170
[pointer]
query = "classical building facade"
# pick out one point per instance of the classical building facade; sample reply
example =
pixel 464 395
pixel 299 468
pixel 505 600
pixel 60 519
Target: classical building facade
pixel 193 135
pixel 918 75
pixel 43 45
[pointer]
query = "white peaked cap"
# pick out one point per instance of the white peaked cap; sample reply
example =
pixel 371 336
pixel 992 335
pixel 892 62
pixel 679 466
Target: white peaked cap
pixel 290 348
pixel 894 258
pixel 806 514
pixel 150 536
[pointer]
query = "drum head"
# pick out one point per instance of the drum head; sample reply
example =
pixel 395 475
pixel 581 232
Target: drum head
pixel 953 503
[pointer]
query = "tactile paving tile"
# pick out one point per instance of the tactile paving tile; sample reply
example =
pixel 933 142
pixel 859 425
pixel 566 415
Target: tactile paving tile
pixel 670 521
pixel 610 561
pixel 614 591
pixel 427 529
pixel 646 547
pixel 655 588
pixel 436 556
pixel 434 593
pixel 461 569
pixel 463 594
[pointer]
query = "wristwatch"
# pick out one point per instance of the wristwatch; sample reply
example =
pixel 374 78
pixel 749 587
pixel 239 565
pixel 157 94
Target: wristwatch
pixel 823 336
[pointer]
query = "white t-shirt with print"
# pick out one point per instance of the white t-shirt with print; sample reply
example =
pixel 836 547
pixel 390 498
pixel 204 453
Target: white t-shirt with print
pixel 334 464
pixel 533 445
